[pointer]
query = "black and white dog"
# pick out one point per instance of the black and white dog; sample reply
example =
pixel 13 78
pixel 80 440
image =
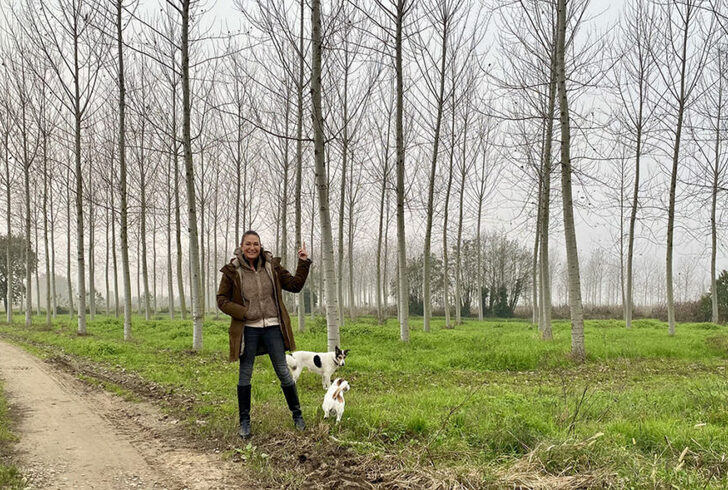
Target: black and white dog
pixel 323 363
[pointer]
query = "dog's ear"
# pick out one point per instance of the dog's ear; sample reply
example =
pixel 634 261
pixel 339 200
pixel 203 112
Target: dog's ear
pixel 337 350
pixel 346 352
pixel 338 381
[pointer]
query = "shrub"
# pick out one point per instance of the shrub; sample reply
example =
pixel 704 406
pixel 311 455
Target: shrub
pixel 706 302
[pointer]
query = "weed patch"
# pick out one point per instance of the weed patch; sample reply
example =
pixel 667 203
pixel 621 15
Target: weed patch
pixel 10 476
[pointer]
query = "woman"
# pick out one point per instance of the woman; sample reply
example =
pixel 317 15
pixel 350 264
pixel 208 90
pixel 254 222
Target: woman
pixel 250 292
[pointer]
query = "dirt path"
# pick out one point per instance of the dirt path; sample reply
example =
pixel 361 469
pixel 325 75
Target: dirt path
pixel 73 436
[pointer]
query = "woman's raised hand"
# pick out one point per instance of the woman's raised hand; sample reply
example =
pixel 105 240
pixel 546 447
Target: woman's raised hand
pixel 302 254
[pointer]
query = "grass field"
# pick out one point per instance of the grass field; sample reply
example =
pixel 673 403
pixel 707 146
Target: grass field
pixel 9 474
pixel 486 403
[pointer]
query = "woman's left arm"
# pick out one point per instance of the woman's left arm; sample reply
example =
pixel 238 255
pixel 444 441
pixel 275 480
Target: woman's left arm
pixel 295 283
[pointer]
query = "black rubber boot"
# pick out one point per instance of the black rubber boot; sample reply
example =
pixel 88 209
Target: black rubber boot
pixel 295 407
pixel 244 408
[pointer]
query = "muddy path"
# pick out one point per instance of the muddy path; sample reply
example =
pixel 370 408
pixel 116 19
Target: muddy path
pixel 76 436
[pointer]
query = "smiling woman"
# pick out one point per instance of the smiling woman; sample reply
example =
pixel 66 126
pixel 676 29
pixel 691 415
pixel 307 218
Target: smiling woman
pixel 251 293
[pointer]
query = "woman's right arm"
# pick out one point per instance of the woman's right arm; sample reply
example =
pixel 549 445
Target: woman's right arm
pixel 224 300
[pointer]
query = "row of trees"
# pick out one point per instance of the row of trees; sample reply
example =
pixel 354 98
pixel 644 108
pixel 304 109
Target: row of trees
pixel 416 124
pixel 506 282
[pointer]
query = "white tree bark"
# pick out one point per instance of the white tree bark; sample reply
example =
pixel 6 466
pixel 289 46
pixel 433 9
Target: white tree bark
pixel 401 10
pixel 578 350
pixel 322 183
pixel 717 171
pixel 301 298
pixel 91 243
pixel 126 274
pixel 8 261
pixel 190 180
pixel 444 22
pixel 545 200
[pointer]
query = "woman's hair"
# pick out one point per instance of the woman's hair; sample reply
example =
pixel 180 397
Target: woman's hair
pixel 249 232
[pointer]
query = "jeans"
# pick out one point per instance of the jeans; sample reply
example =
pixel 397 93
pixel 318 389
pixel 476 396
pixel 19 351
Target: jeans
pixel 272 338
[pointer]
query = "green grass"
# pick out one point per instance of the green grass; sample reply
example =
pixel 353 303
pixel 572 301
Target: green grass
pixel 487 399
pixel 9 475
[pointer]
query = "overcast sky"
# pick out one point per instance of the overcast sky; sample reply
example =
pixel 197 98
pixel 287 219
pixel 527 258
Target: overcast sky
pixel 594 231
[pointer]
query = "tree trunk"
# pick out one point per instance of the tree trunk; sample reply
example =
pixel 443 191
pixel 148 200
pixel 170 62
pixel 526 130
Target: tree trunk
pixel 154 262
pixel 350 246
pixel 673 177
pixel 311 288
pixel 545 272
pixel 479 294
pixel 445 260
pixel 26 181
pixel 107 264
pixel 535 308
pixel 322 183
pixel 177 217
pixel 284 201
pixel 8 262
pixel 385 286
pixel 714 197
pixel 79 194
pixel 578 350
pixel 68 241
pixel 113 242
pixel 202 233
pixel 190 178
pixel 143 213
pixel 122 178
pixel 299 171
pixel 45 223
pixel 401 239
pixel 427 280
pixel 342 193
pixel 170 284
pixel 54 296
pixel 380 312
pixel 37 241
pixel 458 245
pixel 139 273
pixel 91 248
pixel 216 204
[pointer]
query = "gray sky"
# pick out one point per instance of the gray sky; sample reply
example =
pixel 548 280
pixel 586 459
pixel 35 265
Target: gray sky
pixel 594 232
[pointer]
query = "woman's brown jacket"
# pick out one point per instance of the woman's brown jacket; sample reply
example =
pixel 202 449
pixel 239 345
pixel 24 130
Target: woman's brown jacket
pixel 230 299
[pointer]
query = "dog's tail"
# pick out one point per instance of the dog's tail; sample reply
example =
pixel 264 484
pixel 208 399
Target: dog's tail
pixel 291 361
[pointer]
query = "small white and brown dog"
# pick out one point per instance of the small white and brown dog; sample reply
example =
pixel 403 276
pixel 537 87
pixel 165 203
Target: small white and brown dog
pixel 322 363
pixel 334 399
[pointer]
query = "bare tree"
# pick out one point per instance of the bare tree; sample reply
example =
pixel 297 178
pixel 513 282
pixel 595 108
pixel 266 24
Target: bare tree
pixel 322 184
pixel 440 14
pixel 486 178
pixel 55 29
pixel 578 350
pixel 634 79
pixel 680 65
pixel 397 13
pixel 6 121
pixel 466 163
pixel 299 159
pixel 124 225
pixel 183 8
pixel 711 168
pixel 23 91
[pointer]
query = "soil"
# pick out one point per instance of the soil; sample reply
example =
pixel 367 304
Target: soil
pixel 73 435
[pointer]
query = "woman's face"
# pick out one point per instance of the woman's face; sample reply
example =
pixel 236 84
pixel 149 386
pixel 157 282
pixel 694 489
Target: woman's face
pixel 251 247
